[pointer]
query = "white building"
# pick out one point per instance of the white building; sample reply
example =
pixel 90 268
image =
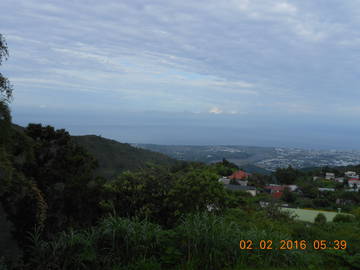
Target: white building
pixel 292 188
pixel 242 182
pixel 326 189
pixel 224 180
pixel 354 183
pixel 339 179
pixel 248 189
pixel 351 174
pixel 330 176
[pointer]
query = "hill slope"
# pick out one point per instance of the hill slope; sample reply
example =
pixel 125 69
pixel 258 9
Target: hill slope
pixel 115 157
pixel 243 156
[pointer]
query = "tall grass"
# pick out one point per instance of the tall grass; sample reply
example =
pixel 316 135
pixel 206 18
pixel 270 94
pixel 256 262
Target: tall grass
pixel 126 240
pixel 213 243
pixel 200 241
pixel 115 241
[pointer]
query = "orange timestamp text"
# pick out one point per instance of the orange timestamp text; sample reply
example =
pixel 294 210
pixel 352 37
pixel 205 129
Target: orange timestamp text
pixel 293 244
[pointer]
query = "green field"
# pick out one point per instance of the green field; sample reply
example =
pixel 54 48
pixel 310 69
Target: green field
pixel 309 215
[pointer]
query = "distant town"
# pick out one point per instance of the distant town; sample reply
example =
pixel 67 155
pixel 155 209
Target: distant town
pixel 300 158
pixel 267 158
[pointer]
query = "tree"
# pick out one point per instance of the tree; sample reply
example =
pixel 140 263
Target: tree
pixel 309 191
pixel 63 171
pixel 50 185
pixel 320 219
pixel 140 194
pixel 288 196
pixel 5 86
pixel 224 168
pixel 5 95
pixel 196 190
pixel 287 176
pixel 258 180
pixel 164 195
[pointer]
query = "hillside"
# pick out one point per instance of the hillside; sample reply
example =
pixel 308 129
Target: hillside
pixel 48 183
pixel 115 157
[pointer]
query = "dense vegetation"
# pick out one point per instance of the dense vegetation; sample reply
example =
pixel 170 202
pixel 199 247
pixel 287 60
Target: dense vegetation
pixel 115 157
pixel 309 195
pixel 61 214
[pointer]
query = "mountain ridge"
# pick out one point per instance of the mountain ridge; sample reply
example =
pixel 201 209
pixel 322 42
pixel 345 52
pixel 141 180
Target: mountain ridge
pixel 115 157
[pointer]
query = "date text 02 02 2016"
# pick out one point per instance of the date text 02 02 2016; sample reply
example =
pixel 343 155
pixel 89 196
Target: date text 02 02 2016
pixel 293 244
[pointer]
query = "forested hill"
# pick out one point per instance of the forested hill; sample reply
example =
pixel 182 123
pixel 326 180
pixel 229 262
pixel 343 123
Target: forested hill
pixel 115 157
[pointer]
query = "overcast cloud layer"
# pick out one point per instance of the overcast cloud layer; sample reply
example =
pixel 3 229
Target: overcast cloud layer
pixel 289 69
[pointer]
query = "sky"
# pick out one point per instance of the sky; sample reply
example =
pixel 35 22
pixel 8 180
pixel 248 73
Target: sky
pixel 240 72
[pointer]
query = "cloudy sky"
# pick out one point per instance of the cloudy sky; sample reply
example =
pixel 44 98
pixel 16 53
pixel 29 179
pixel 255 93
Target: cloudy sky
pixel 259 72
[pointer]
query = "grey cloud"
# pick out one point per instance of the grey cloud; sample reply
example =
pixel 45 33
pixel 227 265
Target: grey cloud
pixel 293 56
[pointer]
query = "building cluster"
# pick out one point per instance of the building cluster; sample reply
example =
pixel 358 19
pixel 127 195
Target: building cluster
pixel 239 180
pixel 277 191
pixel 301 158
pixel 350 178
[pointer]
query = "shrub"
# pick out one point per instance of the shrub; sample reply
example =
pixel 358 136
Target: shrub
pixel 346 218
pixel 356 213
pixel 320 219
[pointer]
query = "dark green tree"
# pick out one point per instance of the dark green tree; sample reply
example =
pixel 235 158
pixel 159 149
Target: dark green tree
pixel 287 176
pixel 258 180
pixel 140 194
pixel 320 219
pixel 5 95
pixel 197 190
pixel 309 191
pixel 48 182
pixel 288 196
pixel 63 171
pixel 162 194
pixel 5 86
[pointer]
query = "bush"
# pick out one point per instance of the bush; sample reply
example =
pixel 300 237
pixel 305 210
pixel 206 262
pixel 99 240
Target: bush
pixel 346 218
pixel 356 213
pixel 320 219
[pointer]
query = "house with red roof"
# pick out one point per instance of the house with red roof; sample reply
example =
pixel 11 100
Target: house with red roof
pixel 274 188
pixel 276 191
pixel 277 195
pixel 239 175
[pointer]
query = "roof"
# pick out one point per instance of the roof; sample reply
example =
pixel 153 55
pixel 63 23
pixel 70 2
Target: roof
pixel 239 175
pixel 275 188
pixel 239 187
pixel 326 189
pixel 354 180
pixel 277 195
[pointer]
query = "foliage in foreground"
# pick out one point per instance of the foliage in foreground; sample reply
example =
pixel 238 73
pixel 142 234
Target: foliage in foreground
pixel 200 240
